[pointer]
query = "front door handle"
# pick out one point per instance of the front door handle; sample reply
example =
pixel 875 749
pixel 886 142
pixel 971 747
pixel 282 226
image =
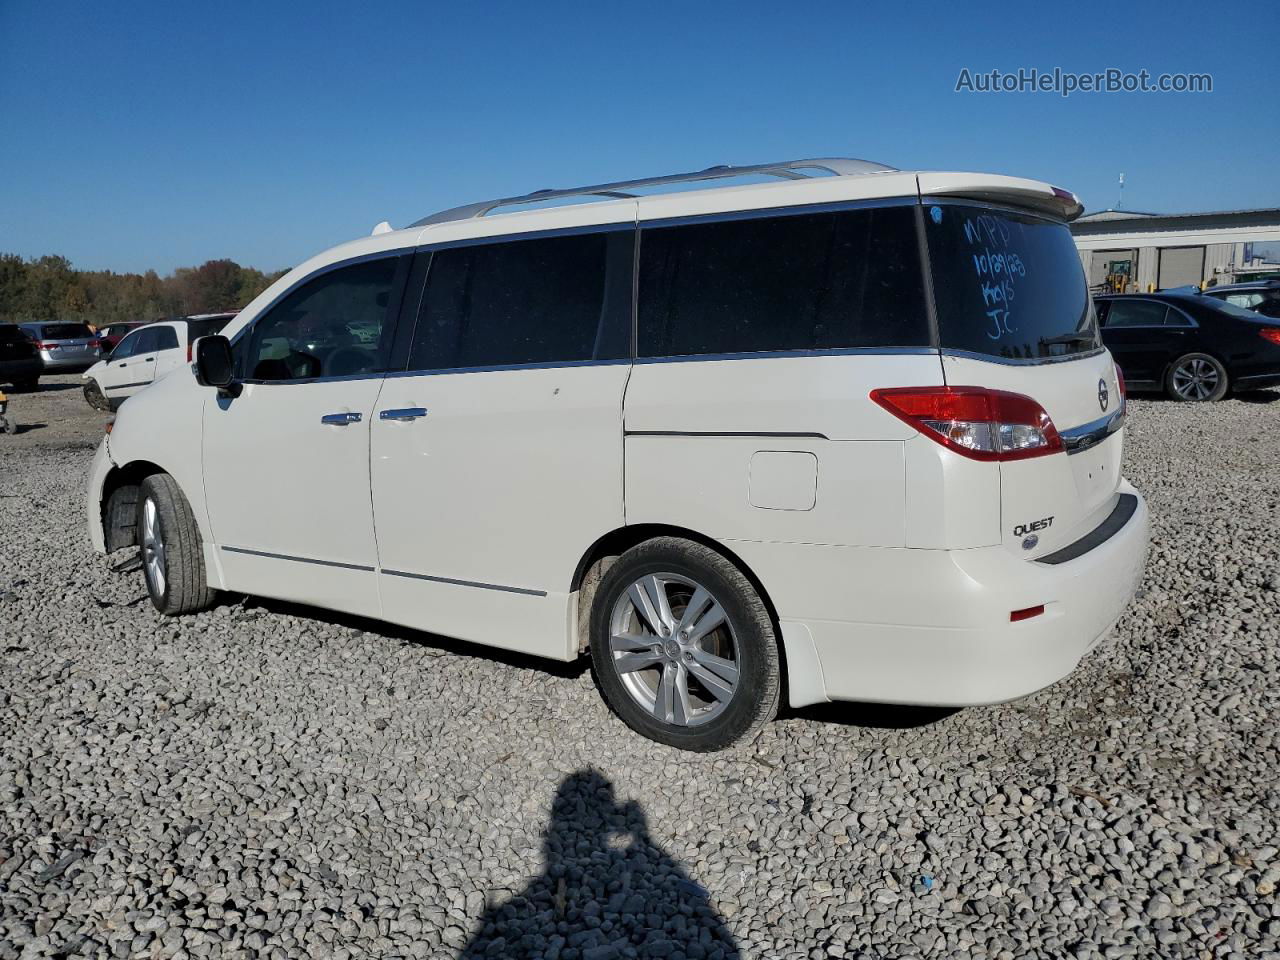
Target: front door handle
pixel 340 419
pixel 403 414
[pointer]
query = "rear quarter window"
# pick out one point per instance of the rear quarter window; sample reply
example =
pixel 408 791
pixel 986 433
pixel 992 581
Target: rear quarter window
pixel 811 281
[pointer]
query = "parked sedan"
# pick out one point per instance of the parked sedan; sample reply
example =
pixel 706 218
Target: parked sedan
pixel 1191 346
pixel 19 360
pixel 64 347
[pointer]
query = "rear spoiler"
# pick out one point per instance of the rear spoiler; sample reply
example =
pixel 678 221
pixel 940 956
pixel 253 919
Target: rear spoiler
pixel 991 188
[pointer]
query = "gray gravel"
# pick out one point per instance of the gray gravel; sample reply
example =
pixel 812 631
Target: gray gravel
pixel 265 780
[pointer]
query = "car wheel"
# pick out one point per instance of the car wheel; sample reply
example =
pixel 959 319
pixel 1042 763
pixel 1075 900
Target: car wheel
pixel 26 385
pixel 172 554
pixel 1196 378
pixel 94 397
pixel 683 647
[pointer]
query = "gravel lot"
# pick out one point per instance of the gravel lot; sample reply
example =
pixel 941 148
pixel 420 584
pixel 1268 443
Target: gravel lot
pixel 265 780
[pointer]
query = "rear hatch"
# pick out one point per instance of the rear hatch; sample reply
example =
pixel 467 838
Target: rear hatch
pixel 1014 314
pixel 69 341
pixel 14 344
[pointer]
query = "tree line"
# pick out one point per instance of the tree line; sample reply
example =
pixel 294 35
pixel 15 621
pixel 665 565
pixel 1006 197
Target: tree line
pixel 49 288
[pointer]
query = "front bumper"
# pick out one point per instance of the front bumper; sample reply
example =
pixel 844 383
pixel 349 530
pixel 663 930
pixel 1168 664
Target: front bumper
pixel 932 627
pixel 98 471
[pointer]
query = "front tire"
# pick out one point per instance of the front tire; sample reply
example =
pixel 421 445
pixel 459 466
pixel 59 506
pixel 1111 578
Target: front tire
pixel 683 647
pixel 94 397
pixel 172 552
pixel 1196 378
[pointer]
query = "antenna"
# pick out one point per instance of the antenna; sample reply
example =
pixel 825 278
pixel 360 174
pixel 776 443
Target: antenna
pixel 1120 202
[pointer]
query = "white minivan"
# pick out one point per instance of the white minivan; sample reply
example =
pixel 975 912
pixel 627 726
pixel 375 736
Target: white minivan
pixel 847 435
pixel 144 356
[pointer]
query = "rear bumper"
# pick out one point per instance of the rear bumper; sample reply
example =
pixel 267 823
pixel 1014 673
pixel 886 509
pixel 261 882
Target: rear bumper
pixel 53 363
pixel 933 627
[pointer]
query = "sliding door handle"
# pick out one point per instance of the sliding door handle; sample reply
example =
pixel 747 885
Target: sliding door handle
pixel 403 414
pixel 340 419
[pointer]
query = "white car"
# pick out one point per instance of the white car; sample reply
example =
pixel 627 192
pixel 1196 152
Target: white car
pixel 144 356
pixel 851 435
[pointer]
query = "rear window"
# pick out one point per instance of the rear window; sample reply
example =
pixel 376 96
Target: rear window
pixel 809 281
pixel 65 331
pixel 1007 284
pixel 205 328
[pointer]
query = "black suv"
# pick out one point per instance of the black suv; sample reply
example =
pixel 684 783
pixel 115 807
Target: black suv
pixel 19 360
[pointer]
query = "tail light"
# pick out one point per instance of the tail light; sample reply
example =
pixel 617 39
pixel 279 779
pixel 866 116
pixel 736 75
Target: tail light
pixel 1270 333
pixel 975 422
pixel 45 345
pixel 1124 391
pixel 189 344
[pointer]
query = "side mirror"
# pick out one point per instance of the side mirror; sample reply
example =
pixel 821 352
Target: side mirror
pixel 214 364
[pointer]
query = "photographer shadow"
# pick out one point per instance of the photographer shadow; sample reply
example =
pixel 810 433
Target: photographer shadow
pixel 607 891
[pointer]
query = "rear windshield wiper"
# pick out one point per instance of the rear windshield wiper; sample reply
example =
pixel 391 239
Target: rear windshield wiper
pixel 1067 338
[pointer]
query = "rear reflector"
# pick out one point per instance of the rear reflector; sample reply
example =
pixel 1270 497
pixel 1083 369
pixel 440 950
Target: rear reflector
pixel 1027 614
pixel 1124 391
pixel 975 422
pixel 1270 333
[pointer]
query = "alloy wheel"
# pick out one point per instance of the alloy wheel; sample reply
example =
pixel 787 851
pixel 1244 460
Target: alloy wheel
pixel 153 552
pixel 675 649
pixel 1195 379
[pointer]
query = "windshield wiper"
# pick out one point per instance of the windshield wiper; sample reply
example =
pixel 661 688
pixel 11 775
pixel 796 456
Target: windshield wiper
pixel 1067 338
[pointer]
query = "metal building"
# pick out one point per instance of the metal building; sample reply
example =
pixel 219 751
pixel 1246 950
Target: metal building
pixel 1126 251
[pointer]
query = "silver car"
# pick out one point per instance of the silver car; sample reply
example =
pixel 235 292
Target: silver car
pixel 64 347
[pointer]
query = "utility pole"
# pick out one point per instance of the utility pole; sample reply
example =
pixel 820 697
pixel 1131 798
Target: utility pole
pixel 1120 202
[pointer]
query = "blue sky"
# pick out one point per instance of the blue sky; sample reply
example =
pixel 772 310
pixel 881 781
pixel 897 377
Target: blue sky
pixel 158 135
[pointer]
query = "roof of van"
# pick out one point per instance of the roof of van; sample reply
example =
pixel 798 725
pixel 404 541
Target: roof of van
pixel 837 180
pixel 792 172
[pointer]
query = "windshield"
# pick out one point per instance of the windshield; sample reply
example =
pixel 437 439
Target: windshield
pixel 1007 284
pixel 65 331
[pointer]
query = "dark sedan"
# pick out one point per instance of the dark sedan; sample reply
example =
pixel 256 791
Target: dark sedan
pixel 1191 346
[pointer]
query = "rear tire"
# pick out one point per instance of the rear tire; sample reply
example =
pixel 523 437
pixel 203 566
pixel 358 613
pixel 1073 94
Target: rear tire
pixel 707 674
pixel 94 397
pixel 172 551
pixel 1196 378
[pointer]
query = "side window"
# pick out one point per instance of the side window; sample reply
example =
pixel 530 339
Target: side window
pixel 166 338
pixel 1246 300
pixel 128 346
pixel 148 340
pixel 1176 318
pixel 800 282
pixel 334 325
pixel 543 300
pixel 1135 313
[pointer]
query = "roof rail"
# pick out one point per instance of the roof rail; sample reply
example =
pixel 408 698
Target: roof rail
pixel 787 170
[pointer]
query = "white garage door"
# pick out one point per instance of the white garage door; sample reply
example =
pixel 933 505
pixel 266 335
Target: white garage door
pixel 1180 266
